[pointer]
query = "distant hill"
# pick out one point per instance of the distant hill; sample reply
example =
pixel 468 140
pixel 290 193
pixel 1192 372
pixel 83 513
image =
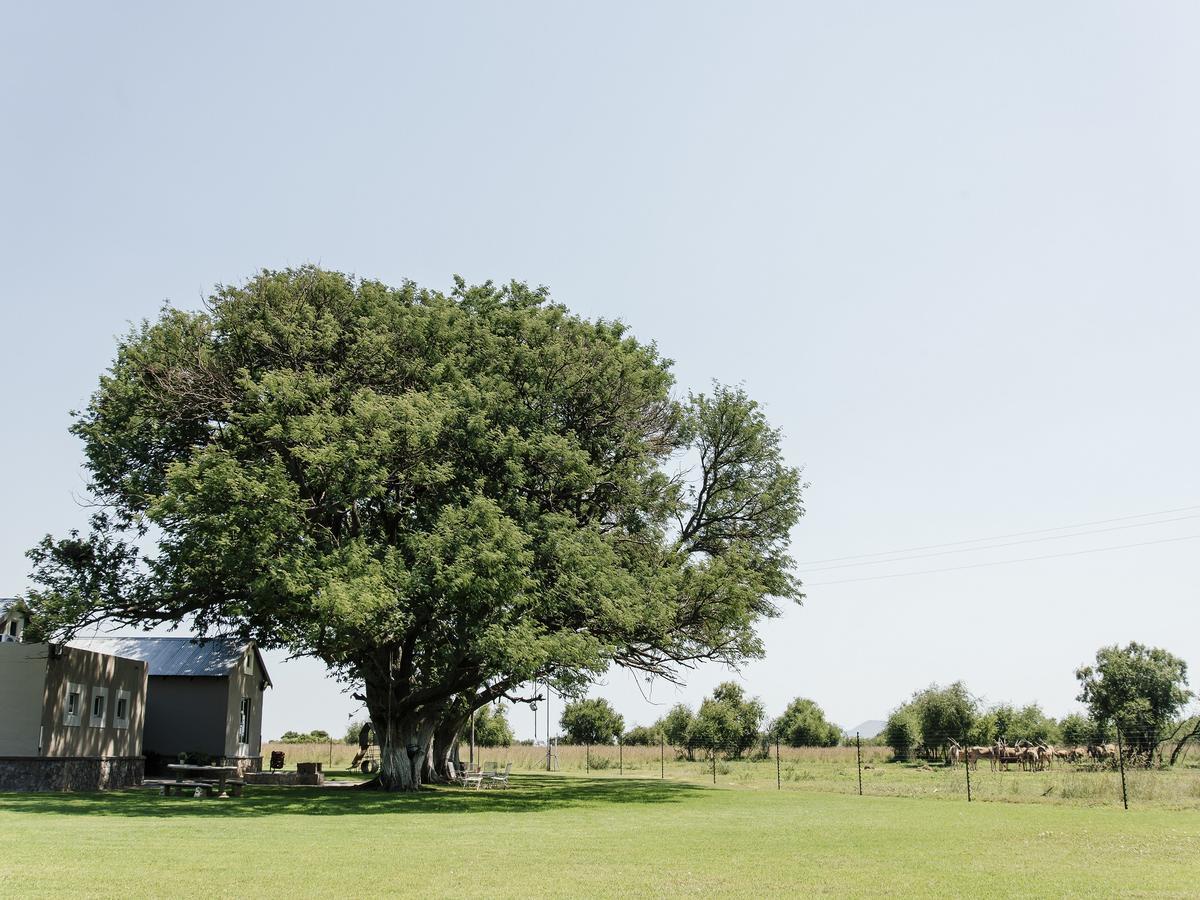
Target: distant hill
pixel 868 729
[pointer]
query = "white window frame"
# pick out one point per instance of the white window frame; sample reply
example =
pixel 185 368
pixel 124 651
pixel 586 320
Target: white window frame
pixel 248 663
pixel 118 720
pixel 76 717
pixel 98 693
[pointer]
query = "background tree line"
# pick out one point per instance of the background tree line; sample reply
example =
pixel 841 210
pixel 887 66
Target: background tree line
pixel 728 722
pixel 1135 692
pixel 1138 690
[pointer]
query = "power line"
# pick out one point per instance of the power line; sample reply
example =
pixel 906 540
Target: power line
pixel 1006 562
pixel 1000 537
pixel 1033 540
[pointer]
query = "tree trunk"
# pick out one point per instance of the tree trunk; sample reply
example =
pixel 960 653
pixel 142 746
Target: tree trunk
pixel 403 751
pixel 445 747
pixel 405 738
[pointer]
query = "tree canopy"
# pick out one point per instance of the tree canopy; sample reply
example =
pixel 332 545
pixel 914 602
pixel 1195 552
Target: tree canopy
pixel 643 736
pixel 591 721
pixel 728 721
pixel 676 724
pixel 803 724
pixel 1136 688
pixel 933 717
pixel 441 496
pixel 492 728
pixel 1010 723
pixel 1078 730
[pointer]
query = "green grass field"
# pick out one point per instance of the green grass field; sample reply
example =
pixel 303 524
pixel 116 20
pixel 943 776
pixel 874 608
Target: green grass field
pixel 575 835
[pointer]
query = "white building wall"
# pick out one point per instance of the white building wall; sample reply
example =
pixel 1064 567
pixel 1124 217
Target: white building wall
pixel 22 693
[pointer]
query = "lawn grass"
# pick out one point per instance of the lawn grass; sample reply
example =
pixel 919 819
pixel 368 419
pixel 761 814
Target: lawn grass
pixel 572 835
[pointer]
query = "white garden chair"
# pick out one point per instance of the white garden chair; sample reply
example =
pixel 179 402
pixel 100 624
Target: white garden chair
pixel 466 778
pixel 499 779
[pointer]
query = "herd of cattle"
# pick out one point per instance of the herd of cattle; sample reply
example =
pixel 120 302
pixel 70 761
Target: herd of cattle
pixel 1029 756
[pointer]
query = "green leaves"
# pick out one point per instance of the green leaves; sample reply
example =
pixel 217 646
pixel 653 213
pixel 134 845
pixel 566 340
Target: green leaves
pixel 803 724
pixel 591 721
pixel 1137 688
pixel 435 493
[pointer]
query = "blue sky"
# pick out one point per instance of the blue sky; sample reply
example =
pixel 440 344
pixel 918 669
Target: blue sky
pixel 951 247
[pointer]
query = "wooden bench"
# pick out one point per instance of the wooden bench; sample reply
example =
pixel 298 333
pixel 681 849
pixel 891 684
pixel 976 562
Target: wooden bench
pixel 233 786
pixel 179 788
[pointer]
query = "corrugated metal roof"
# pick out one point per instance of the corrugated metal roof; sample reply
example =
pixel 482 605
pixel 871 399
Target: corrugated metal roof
pixel 211 657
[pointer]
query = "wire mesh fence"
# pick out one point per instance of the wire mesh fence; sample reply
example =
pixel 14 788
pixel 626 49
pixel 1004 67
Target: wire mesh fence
pixel 1137 767
pixel 1140 768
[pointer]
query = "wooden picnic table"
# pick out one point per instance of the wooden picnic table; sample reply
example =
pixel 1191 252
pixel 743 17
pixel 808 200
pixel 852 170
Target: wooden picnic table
pixel 219 774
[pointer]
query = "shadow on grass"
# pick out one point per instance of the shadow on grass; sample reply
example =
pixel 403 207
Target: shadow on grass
pixel 528 793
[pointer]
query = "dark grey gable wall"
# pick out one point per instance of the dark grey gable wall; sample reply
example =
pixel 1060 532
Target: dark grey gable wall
pixel 186 715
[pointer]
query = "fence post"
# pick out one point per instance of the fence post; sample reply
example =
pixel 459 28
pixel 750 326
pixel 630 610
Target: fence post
pixel 587 761
pixel 778 778
pixel 714 761
pixel 1121 763
pixel 620 757
pixel 662 756
pixel 967 764
pixel 331 753
pixel 858 754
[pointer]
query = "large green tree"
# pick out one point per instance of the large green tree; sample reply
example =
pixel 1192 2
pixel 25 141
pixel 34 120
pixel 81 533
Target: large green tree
pixel 441 496
pixel 1138 689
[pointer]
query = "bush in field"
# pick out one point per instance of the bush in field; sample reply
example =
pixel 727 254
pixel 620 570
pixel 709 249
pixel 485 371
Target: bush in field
pixel 675 724
pixel 803 724
pixel 901 732
pixel 943 715
pixel 1013 724
pixel 317 736
pixel 727 721
pixel 492 728
pixel 1078 730
pixel 643 736
pixel 591 721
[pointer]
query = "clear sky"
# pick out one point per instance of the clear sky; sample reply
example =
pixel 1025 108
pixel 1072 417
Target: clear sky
pixel 952 247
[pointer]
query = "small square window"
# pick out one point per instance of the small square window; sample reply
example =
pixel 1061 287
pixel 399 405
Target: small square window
pixel 73 704
pixel 99 706
pixel 121 710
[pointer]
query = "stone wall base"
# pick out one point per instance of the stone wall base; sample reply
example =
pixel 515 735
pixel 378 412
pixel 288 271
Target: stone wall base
pixel 245 763
pixel 70 773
